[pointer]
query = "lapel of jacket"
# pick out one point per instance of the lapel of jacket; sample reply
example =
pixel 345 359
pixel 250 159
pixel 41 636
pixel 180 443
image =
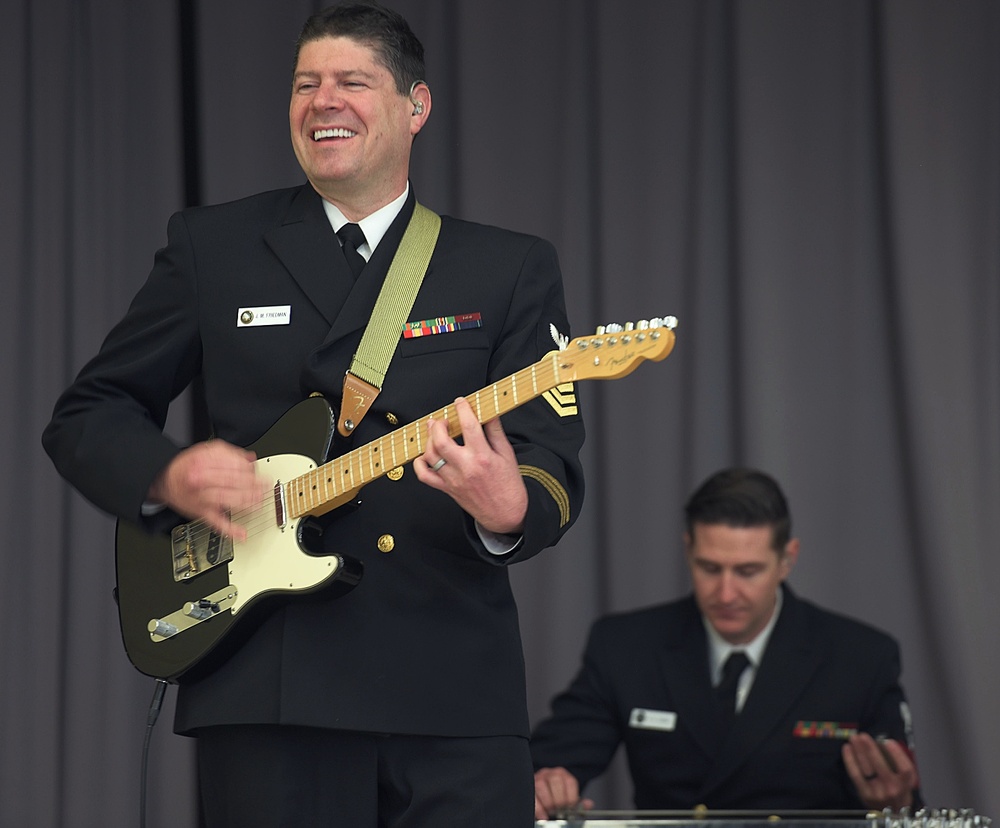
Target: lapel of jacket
pixel 789 662
pixel 686 674
pixel 306 245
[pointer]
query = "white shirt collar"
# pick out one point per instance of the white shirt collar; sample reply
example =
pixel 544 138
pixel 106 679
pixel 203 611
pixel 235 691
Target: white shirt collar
pixel 374 226
pixel 719 649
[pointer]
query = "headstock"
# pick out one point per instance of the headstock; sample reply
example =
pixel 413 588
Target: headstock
pixel 616 350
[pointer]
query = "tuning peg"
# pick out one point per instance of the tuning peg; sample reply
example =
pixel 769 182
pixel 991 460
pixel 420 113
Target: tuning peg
pixel 663 322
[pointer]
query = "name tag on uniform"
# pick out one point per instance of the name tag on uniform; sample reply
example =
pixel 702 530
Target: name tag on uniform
pixel 267 315
pixel 652 719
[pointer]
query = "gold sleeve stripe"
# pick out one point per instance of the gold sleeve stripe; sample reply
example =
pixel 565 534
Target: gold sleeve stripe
pixel 562 398
pixel 553 487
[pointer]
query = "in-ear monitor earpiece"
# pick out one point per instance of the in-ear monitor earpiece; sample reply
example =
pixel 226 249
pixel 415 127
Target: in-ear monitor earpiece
pixel 418 106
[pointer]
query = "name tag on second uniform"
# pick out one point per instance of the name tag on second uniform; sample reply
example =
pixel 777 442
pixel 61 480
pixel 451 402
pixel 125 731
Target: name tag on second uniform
pixel 644 719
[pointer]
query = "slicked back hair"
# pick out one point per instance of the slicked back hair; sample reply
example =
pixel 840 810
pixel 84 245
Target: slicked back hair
pixel 381 29
pixel 741 498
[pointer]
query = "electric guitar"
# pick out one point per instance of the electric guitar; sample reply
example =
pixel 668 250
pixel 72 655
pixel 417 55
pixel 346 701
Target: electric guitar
pixel 182 595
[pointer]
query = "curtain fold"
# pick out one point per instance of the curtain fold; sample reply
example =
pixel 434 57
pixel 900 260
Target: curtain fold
pixel 813 189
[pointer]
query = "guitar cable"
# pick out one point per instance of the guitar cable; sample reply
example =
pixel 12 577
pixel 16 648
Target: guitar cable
pixel 154 713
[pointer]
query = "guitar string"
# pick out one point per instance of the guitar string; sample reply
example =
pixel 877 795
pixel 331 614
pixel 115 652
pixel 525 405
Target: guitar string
pixel 262 516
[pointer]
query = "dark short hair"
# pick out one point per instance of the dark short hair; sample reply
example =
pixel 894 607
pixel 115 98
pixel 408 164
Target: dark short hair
pixel 385 31
pixel 741 498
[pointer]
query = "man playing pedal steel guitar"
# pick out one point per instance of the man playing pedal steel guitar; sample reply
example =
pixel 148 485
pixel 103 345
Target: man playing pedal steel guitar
pixel 742 696
pixel 403 701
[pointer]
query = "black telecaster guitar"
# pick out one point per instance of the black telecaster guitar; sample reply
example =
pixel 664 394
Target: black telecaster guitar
pixel 181 595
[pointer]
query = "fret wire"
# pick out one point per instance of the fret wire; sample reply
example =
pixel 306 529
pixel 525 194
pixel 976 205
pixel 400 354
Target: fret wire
pixel 542 375
pixel 406 442
pixel 491 413
pixel 331 473
pixel 293 500
pixel 299 496
pixel 341 473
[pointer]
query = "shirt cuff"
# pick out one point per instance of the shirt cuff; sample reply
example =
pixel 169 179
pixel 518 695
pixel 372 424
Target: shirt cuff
pixel 497 544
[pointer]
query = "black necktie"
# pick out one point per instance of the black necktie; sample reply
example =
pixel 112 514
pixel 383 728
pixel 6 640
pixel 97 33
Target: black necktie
pixel 725 692
pixel 352 237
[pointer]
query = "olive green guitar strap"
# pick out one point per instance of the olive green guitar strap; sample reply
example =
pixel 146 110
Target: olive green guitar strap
pixel 364 379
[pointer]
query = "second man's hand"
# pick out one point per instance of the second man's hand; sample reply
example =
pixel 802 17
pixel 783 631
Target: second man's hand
pixel 882 772
pixel 557 791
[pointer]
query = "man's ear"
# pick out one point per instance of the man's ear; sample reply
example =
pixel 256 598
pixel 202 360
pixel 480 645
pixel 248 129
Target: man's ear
pixel 420 98
pixel 789 557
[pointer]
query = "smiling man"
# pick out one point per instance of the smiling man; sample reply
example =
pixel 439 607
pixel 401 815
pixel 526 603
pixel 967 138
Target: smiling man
pixel 741 696
pixel 401 703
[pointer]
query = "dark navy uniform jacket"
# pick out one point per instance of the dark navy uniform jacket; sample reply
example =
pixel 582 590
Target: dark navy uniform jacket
pixel 645 683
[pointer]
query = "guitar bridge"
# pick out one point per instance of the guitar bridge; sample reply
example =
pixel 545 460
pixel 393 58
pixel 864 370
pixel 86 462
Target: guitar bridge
pixel 196 548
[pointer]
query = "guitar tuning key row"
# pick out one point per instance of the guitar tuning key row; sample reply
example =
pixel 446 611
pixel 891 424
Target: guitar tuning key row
pixel 638 330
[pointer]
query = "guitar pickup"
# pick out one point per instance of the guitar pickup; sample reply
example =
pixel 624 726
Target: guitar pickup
pixel 191 614
pixel 196 548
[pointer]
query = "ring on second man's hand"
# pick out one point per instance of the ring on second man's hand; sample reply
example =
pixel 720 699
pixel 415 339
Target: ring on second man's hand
pixel 438 465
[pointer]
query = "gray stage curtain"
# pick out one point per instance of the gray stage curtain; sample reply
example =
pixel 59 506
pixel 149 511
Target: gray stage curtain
pixel 813 188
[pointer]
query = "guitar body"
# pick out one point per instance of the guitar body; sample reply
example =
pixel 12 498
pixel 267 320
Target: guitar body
pixel 272 562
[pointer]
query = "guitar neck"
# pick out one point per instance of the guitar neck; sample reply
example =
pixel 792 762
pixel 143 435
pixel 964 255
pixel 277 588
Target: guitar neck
pixel 333 483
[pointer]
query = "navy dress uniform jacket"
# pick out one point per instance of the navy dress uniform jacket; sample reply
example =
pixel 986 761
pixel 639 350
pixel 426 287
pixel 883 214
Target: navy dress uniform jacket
pixel 820 671
pixel 428 642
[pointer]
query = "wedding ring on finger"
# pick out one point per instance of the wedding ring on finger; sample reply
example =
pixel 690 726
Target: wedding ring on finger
pixel 439 465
